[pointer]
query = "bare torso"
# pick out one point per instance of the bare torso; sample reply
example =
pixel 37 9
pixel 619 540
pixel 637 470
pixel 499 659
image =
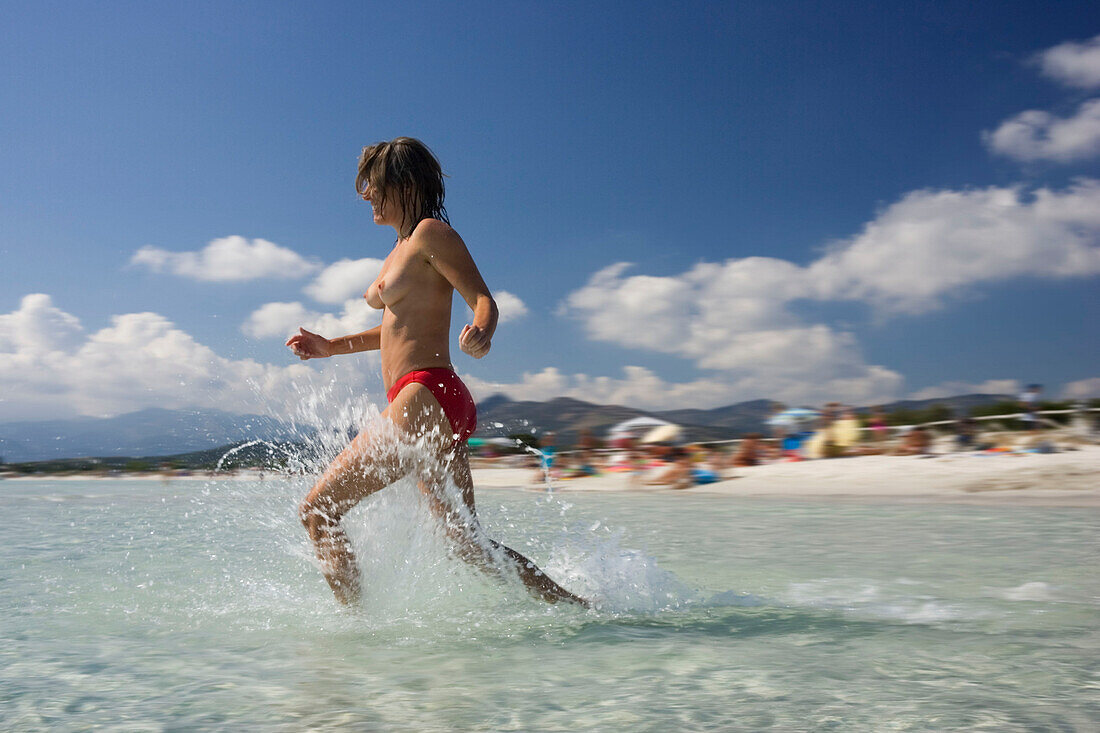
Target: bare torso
pixel 416 322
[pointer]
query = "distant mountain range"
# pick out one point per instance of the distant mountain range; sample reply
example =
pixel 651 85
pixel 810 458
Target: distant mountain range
pixel 159 432
pixel 148 432
pixel 568 417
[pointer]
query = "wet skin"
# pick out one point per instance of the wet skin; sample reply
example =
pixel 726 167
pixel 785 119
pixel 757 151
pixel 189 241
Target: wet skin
pixel 414 290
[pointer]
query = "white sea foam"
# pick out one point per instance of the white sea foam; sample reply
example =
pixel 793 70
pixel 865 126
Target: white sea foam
pixel 872 599
pixel 1032 591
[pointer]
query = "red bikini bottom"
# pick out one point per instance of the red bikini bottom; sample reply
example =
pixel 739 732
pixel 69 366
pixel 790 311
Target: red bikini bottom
pixel 450 393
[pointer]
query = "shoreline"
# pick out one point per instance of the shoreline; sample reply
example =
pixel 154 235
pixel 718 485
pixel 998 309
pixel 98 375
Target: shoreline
pixel 1070 478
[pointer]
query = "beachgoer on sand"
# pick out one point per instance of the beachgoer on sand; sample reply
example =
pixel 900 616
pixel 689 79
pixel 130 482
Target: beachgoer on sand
pixel 1029 405
pixel 779 429
pixel 748 453
pixel 429 404
pixel 966 431
pixel 547 450
pixel 877 423
pixel 915 442
pixel 846 432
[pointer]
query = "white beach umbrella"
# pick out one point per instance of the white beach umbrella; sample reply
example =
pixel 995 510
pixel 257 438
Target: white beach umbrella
pixel 635 426
pixel 662 434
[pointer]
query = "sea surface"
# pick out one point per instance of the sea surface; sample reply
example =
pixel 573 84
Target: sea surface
pixel 184 605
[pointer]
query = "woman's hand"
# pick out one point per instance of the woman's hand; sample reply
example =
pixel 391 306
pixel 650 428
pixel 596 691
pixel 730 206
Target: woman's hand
pixel 474 341
pixel 308 345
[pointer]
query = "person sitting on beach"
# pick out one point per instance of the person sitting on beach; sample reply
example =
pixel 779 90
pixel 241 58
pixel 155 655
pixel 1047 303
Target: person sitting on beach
pixel 431 414
pixel 683 470
pixel 916 442
pixel 705 466
pixel 587 457
pixel 626 456
pixel 1029 406
pixel 748 453
pixel 876 434
pixel 669 465
pixel 578 466
pixel 966 430
pixel 846 433
pixel 779 430
pixel 877 423
pixel 822 444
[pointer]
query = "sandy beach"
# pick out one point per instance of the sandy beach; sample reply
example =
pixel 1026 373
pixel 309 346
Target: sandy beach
pixel 1069 478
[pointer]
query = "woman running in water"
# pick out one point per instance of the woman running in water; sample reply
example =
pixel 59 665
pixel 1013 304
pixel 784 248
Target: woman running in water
pixel 429 404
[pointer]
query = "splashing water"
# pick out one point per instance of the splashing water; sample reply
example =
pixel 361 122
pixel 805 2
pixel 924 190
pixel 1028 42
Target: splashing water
pixel 544 464
pixel 408 567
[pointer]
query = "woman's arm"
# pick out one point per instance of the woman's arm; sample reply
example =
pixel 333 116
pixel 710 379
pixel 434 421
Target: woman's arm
pixel 370 340
pixel 447 253
pixel 308 345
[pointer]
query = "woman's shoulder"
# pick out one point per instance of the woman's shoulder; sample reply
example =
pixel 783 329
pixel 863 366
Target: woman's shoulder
pixel 435 235
pixel 433 228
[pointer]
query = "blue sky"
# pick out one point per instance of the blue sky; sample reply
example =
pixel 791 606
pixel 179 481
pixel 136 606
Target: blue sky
pixel 849 201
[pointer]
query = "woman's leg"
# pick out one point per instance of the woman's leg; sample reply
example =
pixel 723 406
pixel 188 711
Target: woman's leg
pixel 475 548
pixel 457 513
pixel 368 464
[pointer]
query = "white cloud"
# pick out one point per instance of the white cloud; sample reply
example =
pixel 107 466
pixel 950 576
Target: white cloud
pixel 1076 64
pixel 931 244
pixel 1038 135
pixel 140 360
pixel 277 319
pixel 228 259
pixel 344 280
pixel 283 319
pixel 38 327
pixel 733 319
pixel 641 388
pixel 736 320
pixel 509 306
pixel 638 387
pixel 1009 387
pixel 1082 389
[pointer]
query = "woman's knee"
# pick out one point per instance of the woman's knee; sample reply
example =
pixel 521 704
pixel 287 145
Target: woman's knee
pixel 318 510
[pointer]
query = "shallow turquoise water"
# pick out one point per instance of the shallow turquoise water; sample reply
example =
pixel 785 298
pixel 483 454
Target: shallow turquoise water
pixel 183 606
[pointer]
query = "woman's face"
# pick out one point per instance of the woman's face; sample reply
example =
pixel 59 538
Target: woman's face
pixel 388 214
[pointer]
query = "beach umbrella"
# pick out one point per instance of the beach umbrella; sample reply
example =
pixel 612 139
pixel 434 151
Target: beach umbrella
pixel 794 416
pixel 635 426
pixel 662 434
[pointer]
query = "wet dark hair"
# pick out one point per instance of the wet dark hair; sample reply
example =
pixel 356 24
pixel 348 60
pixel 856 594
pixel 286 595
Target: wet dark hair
pixel 403 168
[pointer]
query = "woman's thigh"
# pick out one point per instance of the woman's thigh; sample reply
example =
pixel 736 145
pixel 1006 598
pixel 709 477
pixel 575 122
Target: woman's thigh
pixel 416 412
pixel 369 463
pixel 414 435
